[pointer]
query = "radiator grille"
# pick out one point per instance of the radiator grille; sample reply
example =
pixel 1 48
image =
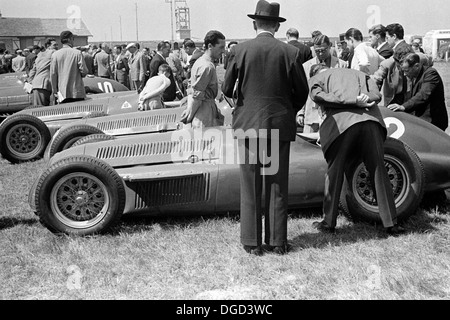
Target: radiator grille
pixel 139 121
pixel 68 110
pixel 174 191
pixel 155 148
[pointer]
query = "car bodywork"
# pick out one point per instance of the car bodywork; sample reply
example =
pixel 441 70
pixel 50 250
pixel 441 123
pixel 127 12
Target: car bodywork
pixel 197 172
pixel 13 97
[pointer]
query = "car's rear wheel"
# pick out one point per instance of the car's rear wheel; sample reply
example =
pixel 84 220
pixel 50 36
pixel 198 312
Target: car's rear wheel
pixel 407 178
pixel 66 137
pixel 80 195
pixel 23 138
pixel 94 138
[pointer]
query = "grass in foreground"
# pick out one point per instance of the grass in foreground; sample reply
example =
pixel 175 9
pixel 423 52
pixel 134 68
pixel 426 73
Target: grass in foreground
pixel 201 257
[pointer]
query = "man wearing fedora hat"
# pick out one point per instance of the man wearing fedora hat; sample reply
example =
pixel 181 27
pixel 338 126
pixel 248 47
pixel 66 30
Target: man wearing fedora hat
pixel 271 88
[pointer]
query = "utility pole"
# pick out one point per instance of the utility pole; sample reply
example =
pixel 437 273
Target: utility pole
pixel 137 23
pixel 120 22
pixel 171 15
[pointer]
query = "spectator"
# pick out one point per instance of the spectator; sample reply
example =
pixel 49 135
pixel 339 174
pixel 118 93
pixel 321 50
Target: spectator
pixel 365 58
pixel 67 70
pixel 419 44
pixel 204 87
pixel 162 53
pixel 378 41
pixel 352 129
pixel 102 62
pixel 194 53
pixel 315 34
pixel 345 54
pixel 175 64
pixel 394 36
pixel 3 66
pixel 292 36
pixel 121 69
pixel 427 99
pixel 88 59
pixel 40 75
pixel 18 63
pixel 151 97
pixel 227 53
pixel 272 87
pixel 309 116
pixel 137 68
pixel 31 58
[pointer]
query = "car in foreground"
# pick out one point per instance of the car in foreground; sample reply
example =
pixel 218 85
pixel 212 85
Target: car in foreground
pixel 87 188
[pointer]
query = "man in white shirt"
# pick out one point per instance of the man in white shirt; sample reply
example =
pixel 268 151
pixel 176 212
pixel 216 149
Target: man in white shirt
pixel 365 58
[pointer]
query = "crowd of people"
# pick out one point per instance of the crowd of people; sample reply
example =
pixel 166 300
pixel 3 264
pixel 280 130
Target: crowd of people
pixel 277 86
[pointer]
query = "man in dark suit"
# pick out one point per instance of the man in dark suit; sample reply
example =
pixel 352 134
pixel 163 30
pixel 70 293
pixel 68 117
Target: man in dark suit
pixel 31 58
pixel 427 99
pixel 292 38
pixel 394 36
pixel 353 128
pixel 378 41
pixel 267 101
pixel 162 53
pixel 122 68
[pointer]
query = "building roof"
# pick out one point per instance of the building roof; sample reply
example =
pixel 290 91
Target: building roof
pixel 36 27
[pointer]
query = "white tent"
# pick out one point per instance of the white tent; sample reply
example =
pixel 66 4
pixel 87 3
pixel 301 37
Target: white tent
pixel 436 43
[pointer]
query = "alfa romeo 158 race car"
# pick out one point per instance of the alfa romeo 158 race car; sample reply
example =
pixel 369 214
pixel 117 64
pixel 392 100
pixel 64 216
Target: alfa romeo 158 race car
pixel 25 135
pixel 87 188
pixel 13 97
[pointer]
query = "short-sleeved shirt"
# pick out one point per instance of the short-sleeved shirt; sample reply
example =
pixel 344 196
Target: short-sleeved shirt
pixel 365 56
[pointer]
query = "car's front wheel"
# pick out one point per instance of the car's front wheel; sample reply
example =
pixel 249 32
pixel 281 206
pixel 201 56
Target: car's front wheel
pixel 66 137
pixel 80 195
pixel 406 175
pixel 23 138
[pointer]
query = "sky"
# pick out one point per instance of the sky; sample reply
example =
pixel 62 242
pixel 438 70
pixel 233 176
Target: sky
pixel 332 17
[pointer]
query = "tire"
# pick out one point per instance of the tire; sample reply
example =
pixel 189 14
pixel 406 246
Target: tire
pixel 80 195
pixel 94 138
pixel 23 138
pixel 407 177
pixel 67 137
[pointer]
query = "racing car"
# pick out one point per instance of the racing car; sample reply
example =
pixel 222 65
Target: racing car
pixel 86 189
pixel 25 135
pixel 13 97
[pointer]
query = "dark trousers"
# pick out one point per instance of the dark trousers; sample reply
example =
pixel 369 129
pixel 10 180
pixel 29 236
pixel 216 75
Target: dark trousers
pixel 364 141
pixel 41 97
pixel 276 196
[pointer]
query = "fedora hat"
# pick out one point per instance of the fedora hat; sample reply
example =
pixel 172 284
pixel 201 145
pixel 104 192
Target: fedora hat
pixel 267 11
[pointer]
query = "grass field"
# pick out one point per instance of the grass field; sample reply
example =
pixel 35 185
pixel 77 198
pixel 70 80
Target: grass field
pixel 201 257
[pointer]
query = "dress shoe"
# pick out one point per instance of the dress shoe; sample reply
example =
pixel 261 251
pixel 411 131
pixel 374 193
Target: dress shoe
pixel 395 230
pixel 255 250
pixel 323 227
pixel 278 249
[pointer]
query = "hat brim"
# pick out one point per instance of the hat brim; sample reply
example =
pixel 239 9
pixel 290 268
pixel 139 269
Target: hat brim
pixel 255 16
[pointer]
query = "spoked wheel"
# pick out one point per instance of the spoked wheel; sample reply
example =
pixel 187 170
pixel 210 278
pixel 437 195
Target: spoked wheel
pixel 80 195
pixel 23 138
pixel 406 176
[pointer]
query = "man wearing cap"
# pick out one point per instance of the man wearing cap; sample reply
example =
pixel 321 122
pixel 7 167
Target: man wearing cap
pixel 67 70
pixel 40 75
pixel 267 101
pixel 18 63
pixel 137 68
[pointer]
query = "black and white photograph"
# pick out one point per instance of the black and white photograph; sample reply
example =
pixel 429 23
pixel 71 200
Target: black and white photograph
pixel 226 156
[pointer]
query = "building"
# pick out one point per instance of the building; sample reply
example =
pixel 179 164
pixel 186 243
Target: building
pixel 20 33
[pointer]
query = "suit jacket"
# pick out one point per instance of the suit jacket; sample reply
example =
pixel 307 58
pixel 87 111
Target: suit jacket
pixel 102 63
pixel 310 109
pixel 66 71
pixel 272 85
pixel 89 60
pixel 305 51
pixel 335 90
pixel 170 93
pixel 40 74
pixel 29 61
pixel 386 51
pixel 137 67
pixel 195 55
pixel 122 68
pixel 402 44
pixel 428 99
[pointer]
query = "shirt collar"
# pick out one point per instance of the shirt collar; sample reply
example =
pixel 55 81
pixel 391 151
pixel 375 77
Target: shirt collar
pixel 395 46
pixel 264 31
pixel 381 45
